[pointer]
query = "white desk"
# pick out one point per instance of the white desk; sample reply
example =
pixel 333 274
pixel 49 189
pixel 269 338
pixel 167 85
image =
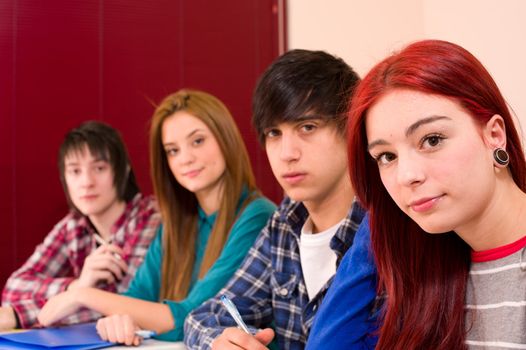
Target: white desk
pixel 149 344
pixel 153 344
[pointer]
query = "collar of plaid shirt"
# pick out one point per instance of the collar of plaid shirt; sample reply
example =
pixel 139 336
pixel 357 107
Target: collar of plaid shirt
pixel 292 289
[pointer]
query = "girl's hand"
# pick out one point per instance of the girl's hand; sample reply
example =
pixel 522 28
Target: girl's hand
pixel 119 329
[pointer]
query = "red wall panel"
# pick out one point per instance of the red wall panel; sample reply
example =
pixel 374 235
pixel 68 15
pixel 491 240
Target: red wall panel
pixel 141 60
pixel 224 52
pixel 7 198
pixel 63 62
pixel 57 85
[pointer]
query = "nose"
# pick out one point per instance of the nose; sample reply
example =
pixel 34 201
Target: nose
pixel 186 156
pixel 289 148
pixel 410 170
pixel 87 178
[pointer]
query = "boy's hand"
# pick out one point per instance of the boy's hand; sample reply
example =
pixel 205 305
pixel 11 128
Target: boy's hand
pixel 7 318
pixel 59 306
pixel 234 338
pixel 103 264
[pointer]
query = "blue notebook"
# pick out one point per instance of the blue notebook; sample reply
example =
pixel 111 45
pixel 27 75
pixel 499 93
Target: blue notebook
pixel 77 337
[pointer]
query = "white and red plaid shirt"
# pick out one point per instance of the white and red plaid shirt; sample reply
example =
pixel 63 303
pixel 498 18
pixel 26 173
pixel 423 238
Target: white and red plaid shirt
pixel 57 261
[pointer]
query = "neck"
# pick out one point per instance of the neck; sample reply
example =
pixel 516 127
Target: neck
pixel 210 200
pixel 332 208
pixel 502 222
pixel 104 221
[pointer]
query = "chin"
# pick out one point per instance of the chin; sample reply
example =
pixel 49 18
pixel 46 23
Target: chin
pixel 83 210
pixel 434 228
pixel 192 187
pixel 91 210
pixel 297 196
pixel 86 212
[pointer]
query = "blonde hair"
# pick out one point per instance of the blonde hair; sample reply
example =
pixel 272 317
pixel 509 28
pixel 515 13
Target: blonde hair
pixel 179 206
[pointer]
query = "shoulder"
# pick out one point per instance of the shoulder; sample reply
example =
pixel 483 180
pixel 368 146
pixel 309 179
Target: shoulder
pixel 362 238
pixel 157 239
pixel 255 215
pixel 290 211
pixel 356 215
pixel 144 203
pixel 260 204
pixel 361 250
pixel 288 206
pixel 71 221
pixel 159 232
pixel 288 217
pixel 69 229
pixel 143 209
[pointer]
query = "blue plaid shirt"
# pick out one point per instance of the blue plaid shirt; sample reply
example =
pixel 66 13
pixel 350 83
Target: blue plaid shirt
pixel 268 288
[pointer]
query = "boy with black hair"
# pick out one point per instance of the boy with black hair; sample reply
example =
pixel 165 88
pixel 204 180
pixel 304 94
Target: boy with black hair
pixel 102 240
pixel 299 113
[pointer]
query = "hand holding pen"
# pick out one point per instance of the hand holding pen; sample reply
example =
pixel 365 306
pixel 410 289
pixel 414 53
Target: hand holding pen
pixel 122 329
pixel 145 333
pixel 232 310
pixel 104 264
pixel 241 337
pixel 103 242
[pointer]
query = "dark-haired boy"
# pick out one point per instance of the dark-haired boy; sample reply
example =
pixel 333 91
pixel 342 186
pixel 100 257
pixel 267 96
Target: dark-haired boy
pixel 102 240
pixel 299 112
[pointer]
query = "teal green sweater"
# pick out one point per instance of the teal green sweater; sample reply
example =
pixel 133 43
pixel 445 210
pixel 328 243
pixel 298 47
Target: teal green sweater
pixel 147 282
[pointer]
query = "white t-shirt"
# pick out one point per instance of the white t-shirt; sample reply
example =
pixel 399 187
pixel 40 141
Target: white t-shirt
pixel 318 260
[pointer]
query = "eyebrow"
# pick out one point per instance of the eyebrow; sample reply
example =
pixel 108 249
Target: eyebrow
pixel 307 116
pixel 411 129
pixel 187 136
pixel 193 132
pixel 74 162
pixel 301 119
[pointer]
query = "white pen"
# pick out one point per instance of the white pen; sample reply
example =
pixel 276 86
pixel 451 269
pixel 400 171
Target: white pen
pixel 232 310
pixel 145 334
pixel 101 241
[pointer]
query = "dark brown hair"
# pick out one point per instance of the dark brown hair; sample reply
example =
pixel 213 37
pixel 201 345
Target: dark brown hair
pixel 301 82
pixel 103 142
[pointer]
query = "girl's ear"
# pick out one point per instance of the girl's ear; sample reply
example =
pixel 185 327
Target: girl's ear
pixel 494 133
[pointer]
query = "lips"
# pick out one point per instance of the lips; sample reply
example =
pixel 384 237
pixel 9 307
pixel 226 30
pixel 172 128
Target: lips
pixel 89 197
pixel 192 173
pixel 293 178
pixel 425 204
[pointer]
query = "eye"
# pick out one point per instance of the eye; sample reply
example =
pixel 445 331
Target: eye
pixel 101 168
pixel 385 158
pixel 431 141
pixel 198 141
pixel 271 133
pixel 171 152
pixel 308 128
pixel 73 171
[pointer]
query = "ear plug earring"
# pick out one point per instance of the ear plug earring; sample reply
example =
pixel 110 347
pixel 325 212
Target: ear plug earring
pixel 501 156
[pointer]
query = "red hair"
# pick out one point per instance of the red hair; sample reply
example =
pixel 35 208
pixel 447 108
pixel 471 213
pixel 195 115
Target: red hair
pixel 423 275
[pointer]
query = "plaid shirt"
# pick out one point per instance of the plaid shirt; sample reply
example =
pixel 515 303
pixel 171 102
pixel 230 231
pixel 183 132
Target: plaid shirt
pixel 57 261
pixel 268 288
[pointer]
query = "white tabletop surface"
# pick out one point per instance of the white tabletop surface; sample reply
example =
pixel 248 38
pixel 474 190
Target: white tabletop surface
pixel 153 344
pixel 150 344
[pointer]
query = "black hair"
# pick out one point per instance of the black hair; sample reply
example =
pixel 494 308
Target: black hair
pixel 105 143
pixel 301 82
